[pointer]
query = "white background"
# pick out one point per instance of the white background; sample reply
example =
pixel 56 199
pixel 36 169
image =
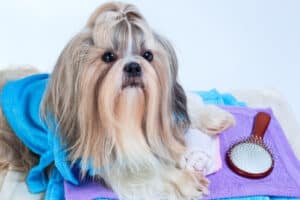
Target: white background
pixel 220 44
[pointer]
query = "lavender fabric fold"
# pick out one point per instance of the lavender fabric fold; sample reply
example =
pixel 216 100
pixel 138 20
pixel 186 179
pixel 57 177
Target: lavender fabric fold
pixel 283 181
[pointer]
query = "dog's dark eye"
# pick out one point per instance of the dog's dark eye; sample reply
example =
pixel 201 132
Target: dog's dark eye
pixel 109 57
pixel 148 55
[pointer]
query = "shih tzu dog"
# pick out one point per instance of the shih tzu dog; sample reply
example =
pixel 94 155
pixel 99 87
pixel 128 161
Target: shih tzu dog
pixel 115 95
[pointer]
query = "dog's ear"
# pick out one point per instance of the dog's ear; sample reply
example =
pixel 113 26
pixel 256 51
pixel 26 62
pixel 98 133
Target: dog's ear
pixel 63 80
pixel 179 99
pixel 180 106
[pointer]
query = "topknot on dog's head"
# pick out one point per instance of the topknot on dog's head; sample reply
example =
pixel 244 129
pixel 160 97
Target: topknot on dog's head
pixel 113 24
pixel 115 11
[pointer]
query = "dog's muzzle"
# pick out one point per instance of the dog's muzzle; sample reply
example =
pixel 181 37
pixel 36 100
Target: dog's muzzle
pixel 133 75
pixel 133 69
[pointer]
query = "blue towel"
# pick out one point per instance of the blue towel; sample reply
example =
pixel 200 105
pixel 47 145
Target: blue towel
pixel 20 101
pixel 215 97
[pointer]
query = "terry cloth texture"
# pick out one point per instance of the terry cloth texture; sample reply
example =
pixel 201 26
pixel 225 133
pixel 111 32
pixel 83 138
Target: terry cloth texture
pixel 20 101
pixel 283 181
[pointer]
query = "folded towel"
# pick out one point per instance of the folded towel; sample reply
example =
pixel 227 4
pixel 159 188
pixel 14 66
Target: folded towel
pixel 283 181
pixel 203 152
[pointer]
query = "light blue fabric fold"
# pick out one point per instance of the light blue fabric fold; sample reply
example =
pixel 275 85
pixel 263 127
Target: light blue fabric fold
pixel 20 101
pixel 214 97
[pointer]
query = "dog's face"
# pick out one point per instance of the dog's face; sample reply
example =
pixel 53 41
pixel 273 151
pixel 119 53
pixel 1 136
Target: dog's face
pixel 115 95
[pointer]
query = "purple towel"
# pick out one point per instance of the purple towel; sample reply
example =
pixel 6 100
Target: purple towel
pixel 87 191
pixel 283 181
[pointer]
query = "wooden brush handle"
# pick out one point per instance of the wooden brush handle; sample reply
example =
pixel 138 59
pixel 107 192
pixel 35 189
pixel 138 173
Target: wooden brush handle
pixel 261 123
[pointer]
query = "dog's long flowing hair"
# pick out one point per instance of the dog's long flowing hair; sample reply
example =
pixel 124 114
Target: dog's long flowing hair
pixel 127 135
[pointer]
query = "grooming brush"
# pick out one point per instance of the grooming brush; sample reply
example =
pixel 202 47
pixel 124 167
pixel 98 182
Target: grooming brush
pixel 251 158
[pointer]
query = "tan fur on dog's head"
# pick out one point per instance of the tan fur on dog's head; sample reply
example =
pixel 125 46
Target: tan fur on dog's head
pixel 130 130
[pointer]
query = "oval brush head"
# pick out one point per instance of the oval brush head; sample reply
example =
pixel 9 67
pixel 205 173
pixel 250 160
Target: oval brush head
pixel 251 158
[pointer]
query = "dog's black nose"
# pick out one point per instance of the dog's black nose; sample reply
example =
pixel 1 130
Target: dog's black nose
pixel 133 69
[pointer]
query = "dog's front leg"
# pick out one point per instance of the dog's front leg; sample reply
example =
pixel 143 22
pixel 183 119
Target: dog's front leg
pixel 207 118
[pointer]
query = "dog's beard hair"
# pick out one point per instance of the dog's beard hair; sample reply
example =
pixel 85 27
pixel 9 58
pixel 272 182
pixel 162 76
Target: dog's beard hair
pixel 127 135
pixel 141 159
pixel 132 143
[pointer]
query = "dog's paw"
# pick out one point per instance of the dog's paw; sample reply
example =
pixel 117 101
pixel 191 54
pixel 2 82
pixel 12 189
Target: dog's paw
pixel 214 120
pixel 192 186
pixel 197 161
